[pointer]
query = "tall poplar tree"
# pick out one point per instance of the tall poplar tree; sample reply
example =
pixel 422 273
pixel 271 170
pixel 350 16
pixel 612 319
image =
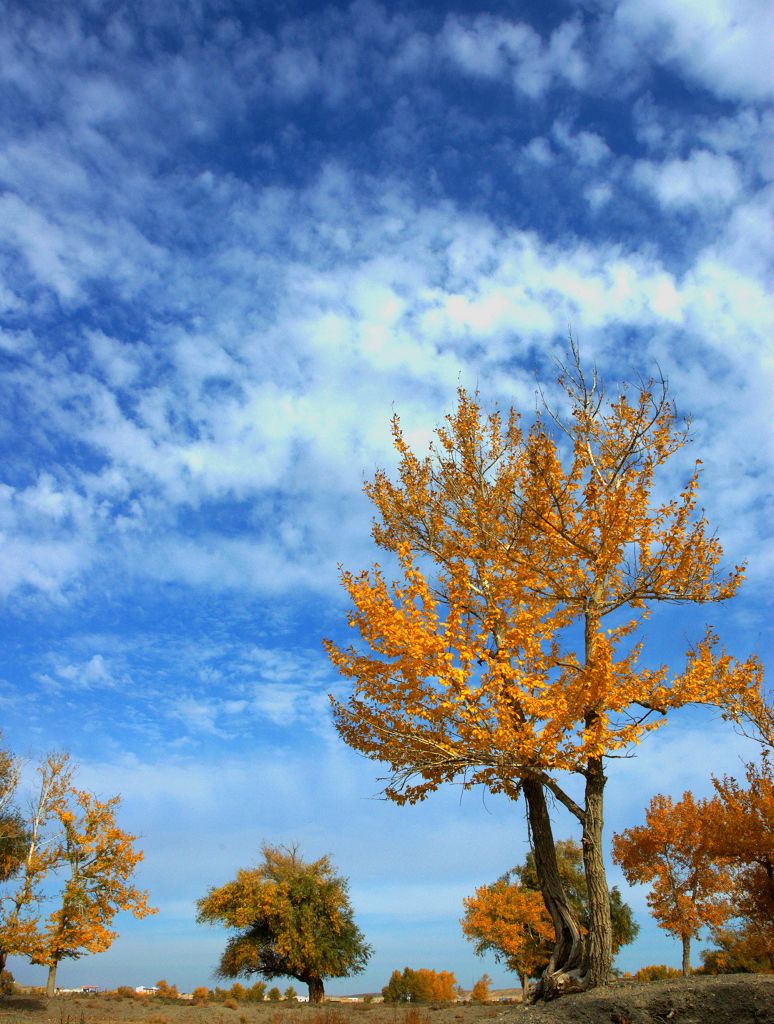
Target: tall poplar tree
pixel 505 652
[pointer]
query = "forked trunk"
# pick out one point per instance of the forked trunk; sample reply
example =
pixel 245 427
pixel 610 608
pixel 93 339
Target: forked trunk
pixel 599 946
pixel 316 990
pixel 567 955
pixel 686 954
pixel 51 983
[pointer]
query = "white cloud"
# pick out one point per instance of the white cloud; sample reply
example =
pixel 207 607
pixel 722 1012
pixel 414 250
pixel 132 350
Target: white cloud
pixel 493 47
pixel 703 179
pixel 724 45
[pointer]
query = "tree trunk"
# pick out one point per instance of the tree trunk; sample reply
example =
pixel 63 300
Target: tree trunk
pixel 599 945
pixel 686 954
pixel 3 959
pixel 51 983
pixel 567 955
pixel 316 990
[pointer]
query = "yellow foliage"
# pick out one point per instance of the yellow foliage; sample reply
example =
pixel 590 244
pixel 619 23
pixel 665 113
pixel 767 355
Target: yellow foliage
pixel 690 887
pixel 75 836
pixel 511 920
pixel 511 544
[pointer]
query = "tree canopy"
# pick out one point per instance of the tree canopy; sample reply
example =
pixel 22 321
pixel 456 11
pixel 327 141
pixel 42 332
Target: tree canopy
pixel 294 919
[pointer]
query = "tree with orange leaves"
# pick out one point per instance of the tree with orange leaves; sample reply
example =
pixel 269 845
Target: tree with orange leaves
pixel 690 886
pixel 100 860
pixel 512 922
pixel 509 543
pixel 69 832
pixel 740 824
pixel 24 893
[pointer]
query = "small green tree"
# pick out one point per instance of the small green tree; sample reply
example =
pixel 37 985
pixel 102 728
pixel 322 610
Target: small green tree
pixel 294 920
pixel 290 995
pixel 274 995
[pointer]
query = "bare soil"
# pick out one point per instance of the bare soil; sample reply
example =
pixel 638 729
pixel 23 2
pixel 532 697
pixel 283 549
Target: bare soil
pixel 727 999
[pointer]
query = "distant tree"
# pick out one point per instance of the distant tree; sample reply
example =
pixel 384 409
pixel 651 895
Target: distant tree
pixel 294 918
pixel 100 860
pixel 257 992
pixel 509 917
pixel 480 991
pixel 200 995
pixel 290 995
pixel 512 922
pixel 274 995
pixel 23 894
pixel 238 992
pixel 740 831
pixel 166 991
pixel 739 950
pixel 14 833
pixel 672 851
pixel 420 986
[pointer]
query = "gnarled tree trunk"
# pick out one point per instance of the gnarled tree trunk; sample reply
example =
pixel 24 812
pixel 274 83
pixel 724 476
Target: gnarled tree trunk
pixel 567 956
pixel 316 990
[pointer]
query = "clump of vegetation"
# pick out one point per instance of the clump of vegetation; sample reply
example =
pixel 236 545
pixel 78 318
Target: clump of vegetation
pixel 657 972
pixel 480 991
pixel 166 991
pixel 421 986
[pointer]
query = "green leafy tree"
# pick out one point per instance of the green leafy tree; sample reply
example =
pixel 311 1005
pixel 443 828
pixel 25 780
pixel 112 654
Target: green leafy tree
pixel 294 920
pixel 290 995
pixel 274 995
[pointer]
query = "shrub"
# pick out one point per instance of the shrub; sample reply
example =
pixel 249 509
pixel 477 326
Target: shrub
pixel 230 1003
pixel 165 991
pixel 657 972
pixel 125 992
pixel 480 991
pixel 200 995
pixel 7 983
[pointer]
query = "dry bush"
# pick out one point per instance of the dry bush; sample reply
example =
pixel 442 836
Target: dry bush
pixel 657 972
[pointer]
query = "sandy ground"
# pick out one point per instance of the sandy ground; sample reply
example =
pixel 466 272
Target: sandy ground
pixel 728 999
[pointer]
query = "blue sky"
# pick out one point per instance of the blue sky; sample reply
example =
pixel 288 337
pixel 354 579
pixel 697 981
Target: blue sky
pixel 231 243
